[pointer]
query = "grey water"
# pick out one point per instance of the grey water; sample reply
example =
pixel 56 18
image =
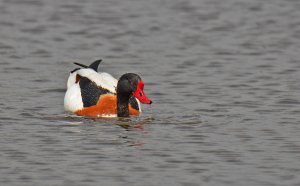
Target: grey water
pixel 224 77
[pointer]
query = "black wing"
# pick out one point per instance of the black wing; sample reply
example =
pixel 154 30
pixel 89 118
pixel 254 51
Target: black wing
pixel 134 103
pixel 90 92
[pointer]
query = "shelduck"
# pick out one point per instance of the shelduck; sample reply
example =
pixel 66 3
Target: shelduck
pixel 98 94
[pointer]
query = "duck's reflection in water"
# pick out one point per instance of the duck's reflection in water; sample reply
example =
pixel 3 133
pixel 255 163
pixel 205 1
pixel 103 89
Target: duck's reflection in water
pixel 129 123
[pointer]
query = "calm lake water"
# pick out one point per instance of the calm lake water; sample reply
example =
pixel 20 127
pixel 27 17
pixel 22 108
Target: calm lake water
pixel 224 77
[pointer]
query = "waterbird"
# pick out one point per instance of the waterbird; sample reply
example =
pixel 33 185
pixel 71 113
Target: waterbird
pixel 98 94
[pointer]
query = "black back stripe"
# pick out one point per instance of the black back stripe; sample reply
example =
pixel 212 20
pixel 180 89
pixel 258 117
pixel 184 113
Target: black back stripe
pixel 90 92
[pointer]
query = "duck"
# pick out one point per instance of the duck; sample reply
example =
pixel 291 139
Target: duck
pixel 98 94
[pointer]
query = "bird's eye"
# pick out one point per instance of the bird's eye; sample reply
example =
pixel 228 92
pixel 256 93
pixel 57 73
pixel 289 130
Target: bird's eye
pixel 141 94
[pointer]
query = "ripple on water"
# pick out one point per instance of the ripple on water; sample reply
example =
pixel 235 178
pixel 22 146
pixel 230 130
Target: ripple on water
pixel 223 76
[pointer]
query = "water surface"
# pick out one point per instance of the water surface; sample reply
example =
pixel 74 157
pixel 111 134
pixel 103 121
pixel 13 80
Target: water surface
pixel 224 77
